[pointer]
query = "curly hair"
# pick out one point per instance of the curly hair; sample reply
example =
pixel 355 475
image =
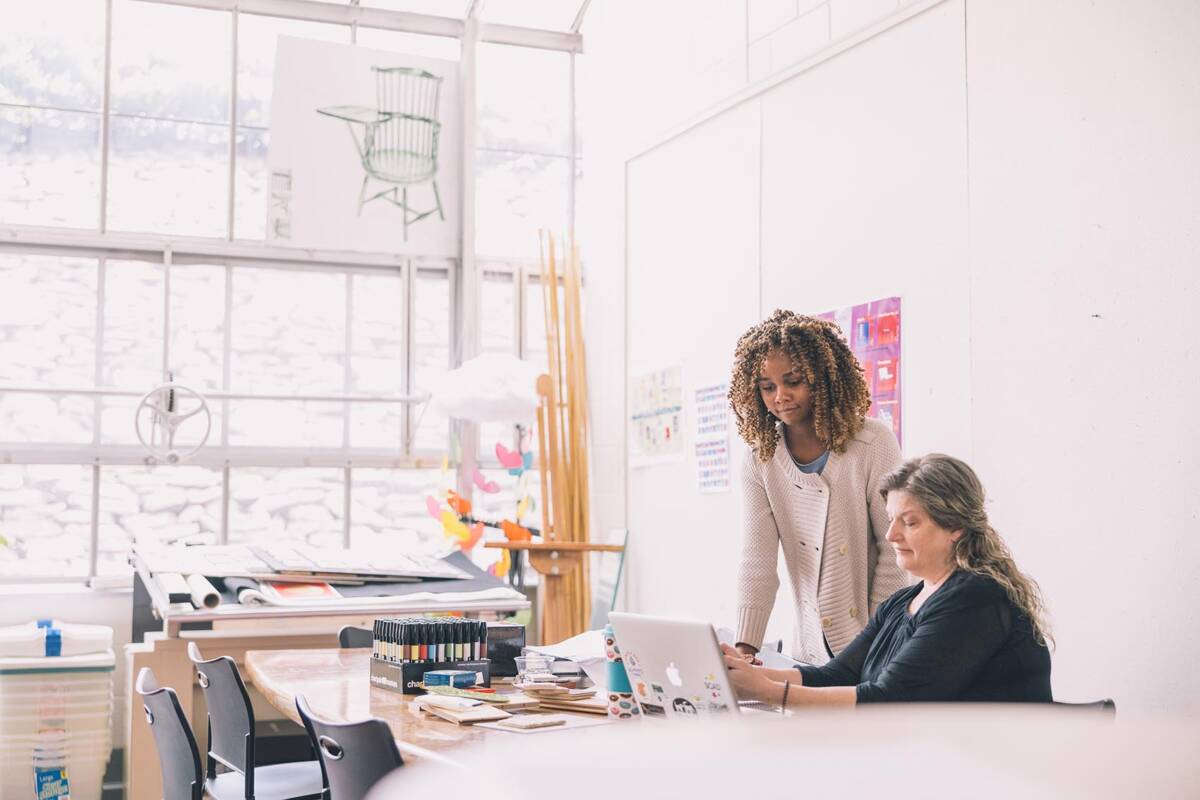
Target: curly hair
pixel 952 495
pixel 839 392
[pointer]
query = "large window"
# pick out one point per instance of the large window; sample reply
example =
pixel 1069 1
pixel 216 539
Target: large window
pixel 313 370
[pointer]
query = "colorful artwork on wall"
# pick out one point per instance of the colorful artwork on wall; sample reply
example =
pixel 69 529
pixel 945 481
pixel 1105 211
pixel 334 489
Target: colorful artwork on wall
pixel 873 332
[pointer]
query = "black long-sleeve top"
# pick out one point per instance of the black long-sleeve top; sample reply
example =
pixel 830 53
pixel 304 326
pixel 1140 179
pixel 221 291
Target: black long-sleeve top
pixel 967 642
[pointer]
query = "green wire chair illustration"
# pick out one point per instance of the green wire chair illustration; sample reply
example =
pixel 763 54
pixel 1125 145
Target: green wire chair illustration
pixel 399 143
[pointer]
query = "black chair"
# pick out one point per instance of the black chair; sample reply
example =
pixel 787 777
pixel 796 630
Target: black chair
pixel 178 756
pixel 354 755
pixel 231 742
pixel 1105 706
pixel 353 637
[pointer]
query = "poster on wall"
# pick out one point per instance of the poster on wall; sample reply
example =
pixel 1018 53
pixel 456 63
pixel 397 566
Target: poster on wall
pixel 656 417
pixel 364 150
pixel 873 332
pixel 710 437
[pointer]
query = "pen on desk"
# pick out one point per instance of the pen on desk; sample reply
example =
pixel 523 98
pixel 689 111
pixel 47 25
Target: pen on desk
pixel 414 629
pixel 482 639
pixel 460 643
pixel 441 641
pixel 389 633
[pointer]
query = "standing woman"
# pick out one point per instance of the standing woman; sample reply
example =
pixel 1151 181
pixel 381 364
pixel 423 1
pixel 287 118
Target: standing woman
pixel 810 485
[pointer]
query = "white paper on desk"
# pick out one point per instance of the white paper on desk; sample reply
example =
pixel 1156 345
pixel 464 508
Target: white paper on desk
pixel 572 721
pixel 586 650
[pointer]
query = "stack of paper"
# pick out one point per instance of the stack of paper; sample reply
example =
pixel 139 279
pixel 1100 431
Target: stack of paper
pixel 560 698
pixel 460 710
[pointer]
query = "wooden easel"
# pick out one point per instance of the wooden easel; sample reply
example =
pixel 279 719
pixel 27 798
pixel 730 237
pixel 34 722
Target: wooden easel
pixel 562 460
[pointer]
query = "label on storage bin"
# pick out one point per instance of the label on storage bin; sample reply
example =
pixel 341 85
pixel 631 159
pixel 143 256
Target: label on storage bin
pixel 51 783
pixel 53 642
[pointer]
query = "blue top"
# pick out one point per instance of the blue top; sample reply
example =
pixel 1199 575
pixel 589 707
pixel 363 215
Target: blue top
pixel 816 465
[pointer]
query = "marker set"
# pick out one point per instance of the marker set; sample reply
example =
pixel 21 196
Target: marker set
pixel 404 650
pixel 430 641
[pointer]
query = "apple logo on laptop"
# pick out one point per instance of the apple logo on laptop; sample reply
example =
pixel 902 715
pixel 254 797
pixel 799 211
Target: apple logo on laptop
pixel 673 674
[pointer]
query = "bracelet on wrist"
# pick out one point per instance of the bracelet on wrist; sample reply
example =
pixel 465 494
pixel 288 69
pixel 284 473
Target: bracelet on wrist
pixel 783 705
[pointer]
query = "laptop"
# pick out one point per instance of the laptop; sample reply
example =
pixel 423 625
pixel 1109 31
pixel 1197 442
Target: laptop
pixel 675 666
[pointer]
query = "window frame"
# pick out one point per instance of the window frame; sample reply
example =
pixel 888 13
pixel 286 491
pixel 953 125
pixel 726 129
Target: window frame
pixel 229 251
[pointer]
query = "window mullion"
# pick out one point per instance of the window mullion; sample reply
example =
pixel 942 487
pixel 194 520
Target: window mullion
pixel 105 109
pixel 167 258
pixel 347 384
pixel 94 537
pixel 226 380
pixel 409 334
pixel 98 405
pixel 233 90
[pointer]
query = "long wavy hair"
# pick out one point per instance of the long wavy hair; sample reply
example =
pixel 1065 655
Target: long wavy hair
pixel 840 398
pixel 953 497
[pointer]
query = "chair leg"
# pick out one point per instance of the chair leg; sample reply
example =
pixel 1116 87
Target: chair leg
pixel 438 197
pixel 362 192
pixel 404 211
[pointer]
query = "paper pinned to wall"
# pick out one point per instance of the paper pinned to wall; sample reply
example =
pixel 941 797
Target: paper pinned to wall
pixel 656 417
pixel 711 437
pixel 873 332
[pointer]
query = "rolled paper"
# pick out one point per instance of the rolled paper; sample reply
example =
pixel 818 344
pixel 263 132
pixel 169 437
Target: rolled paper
pixel 246 590
pixel 204 595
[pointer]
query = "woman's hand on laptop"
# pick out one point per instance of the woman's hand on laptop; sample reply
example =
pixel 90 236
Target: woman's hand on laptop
pixel 735 652
pixel 757 683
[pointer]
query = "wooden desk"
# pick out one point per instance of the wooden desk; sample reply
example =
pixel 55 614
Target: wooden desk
pixel 233 630
pixel 337 686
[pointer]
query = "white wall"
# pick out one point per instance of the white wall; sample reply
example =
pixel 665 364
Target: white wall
pixel 688 300
pixel 1026 177
pixel 1085 254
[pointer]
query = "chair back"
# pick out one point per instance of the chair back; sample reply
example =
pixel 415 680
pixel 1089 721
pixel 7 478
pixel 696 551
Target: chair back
pixel 354 756
pixel 178 756
pixel 230 715
pixel 404 143
pixel 1106 706
pixel 351 636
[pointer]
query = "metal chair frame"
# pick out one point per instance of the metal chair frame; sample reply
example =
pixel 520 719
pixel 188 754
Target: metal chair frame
pixel 161 706
pixel 406 130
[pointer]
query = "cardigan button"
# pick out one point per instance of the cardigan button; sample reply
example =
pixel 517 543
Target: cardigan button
pixel 842 549
pixel 826 622
pixel 854 612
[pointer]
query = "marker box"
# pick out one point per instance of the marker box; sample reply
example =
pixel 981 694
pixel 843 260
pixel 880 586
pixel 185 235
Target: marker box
pixel 408 677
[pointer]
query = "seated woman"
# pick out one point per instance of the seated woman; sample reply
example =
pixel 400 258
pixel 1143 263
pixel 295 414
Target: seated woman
pixel 972 629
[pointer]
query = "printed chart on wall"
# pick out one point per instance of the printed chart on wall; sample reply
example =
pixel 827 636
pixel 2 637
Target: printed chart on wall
pixel 710 429
pixel 656 417
pixel 873 331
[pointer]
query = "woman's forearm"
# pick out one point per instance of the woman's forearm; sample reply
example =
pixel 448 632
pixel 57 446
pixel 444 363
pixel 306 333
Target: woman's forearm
pixel 799 695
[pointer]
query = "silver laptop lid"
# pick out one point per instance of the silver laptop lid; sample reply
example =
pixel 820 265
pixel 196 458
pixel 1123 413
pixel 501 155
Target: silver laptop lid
pixel 675 666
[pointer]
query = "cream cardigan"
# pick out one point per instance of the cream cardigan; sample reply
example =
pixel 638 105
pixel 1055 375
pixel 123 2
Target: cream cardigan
pixel 838 575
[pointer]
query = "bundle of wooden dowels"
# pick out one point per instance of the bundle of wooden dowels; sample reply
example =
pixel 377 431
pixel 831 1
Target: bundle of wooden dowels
pixel 563 424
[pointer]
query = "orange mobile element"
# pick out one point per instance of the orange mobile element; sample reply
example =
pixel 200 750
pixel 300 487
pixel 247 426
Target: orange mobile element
pixel 514 532
pixel 461 505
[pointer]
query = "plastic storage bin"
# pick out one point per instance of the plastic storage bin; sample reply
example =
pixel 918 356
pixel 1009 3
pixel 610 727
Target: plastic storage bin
pixel 56 711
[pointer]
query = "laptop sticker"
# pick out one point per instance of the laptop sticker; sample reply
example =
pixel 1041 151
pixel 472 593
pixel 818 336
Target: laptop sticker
pixel 683 706
pixel 652 710
pixel 640 688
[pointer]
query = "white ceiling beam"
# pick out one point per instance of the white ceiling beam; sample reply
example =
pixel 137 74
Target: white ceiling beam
pixel 384 19
pixel 578 22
